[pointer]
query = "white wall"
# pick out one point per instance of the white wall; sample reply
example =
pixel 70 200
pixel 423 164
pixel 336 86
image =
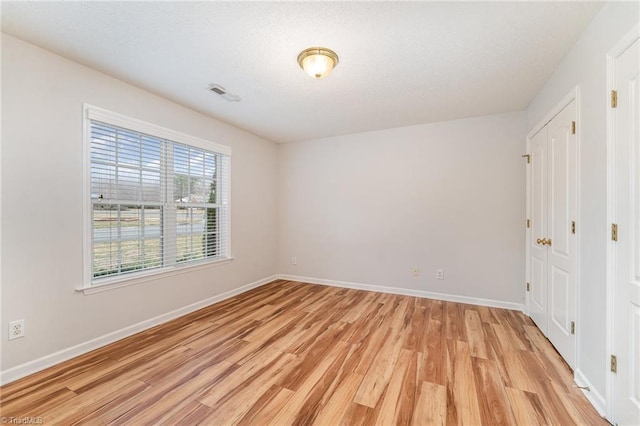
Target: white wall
pixel 366 208
pixel 42 199
pixel 585 65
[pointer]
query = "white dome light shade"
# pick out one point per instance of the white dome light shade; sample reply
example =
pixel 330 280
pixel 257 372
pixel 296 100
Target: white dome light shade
pixel 318 62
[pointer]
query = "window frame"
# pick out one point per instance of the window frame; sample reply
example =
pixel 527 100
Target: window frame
pixel 89 284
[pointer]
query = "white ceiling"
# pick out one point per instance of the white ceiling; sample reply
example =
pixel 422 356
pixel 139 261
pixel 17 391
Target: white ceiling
pixel 401 63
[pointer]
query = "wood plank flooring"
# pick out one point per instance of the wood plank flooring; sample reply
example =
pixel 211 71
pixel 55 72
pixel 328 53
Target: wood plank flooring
pixel 290 353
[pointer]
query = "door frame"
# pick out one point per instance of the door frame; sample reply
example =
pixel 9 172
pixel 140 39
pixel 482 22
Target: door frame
pixel 619 48
pixel 573 95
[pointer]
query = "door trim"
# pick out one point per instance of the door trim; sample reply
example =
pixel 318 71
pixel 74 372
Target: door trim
pixel 573 95
pixel 612 55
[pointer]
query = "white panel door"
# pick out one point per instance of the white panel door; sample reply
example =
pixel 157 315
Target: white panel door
pixel 561 245
pixel 538 216
pixel 551 240
pixel 626 265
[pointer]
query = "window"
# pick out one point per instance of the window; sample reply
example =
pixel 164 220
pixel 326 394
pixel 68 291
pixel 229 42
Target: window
pixel 159 200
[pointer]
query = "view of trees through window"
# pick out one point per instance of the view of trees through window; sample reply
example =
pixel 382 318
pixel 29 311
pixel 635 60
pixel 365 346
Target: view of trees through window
pixel 155 202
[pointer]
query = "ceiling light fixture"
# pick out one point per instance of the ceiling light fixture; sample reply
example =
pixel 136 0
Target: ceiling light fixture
pixel 318 62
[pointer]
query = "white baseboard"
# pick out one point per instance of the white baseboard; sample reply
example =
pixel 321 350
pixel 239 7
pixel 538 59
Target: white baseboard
pixel 594 397
pixel 46 361
pixel 408 292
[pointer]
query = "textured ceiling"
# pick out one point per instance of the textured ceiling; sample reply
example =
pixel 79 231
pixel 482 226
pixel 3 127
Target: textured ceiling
pixel 401 63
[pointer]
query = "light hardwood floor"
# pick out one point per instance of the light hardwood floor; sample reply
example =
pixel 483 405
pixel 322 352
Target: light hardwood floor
pixel 293 353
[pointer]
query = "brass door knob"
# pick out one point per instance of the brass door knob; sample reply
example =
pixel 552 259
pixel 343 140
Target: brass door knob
pixel 543 242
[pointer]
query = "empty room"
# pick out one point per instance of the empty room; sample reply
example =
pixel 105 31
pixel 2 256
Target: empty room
pixel 320 213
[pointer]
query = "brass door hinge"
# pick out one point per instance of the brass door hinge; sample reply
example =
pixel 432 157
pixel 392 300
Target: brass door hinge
pixel 528 157
pixel 573 127
pixel 614 231
pixel 614 99
pixel 573 327
pixel 528 287
pixel 528 223
pixel 573 226
pixel 614 364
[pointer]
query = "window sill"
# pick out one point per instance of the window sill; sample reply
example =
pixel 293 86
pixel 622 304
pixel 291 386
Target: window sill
pixel 141 277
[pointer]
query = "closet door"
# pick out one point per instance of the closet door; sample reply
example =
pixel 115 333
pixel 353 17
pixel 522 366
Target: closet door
pixel 551 240
pixel 538 219
pixel 561 246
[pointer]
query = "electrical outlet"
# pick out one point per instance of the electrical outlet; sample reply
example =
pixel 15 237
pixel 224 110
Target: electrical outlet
pixel 415 271
pixel 440 274
pixel 294 261
pixel 16 329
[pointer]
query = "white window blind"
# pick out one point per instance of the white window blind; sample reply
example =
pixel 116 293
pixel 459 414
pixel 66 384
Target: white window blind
pixel 156 203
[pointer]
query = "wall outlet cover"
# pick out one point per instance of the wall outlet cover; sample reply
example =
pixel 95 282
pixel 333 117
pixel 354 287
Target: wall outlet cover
pixel 16 329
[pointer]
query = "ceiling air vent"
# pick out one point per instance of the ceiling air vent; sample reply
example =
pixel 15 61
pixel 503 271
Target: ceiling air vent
pixel 222 92
pixel 218 89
